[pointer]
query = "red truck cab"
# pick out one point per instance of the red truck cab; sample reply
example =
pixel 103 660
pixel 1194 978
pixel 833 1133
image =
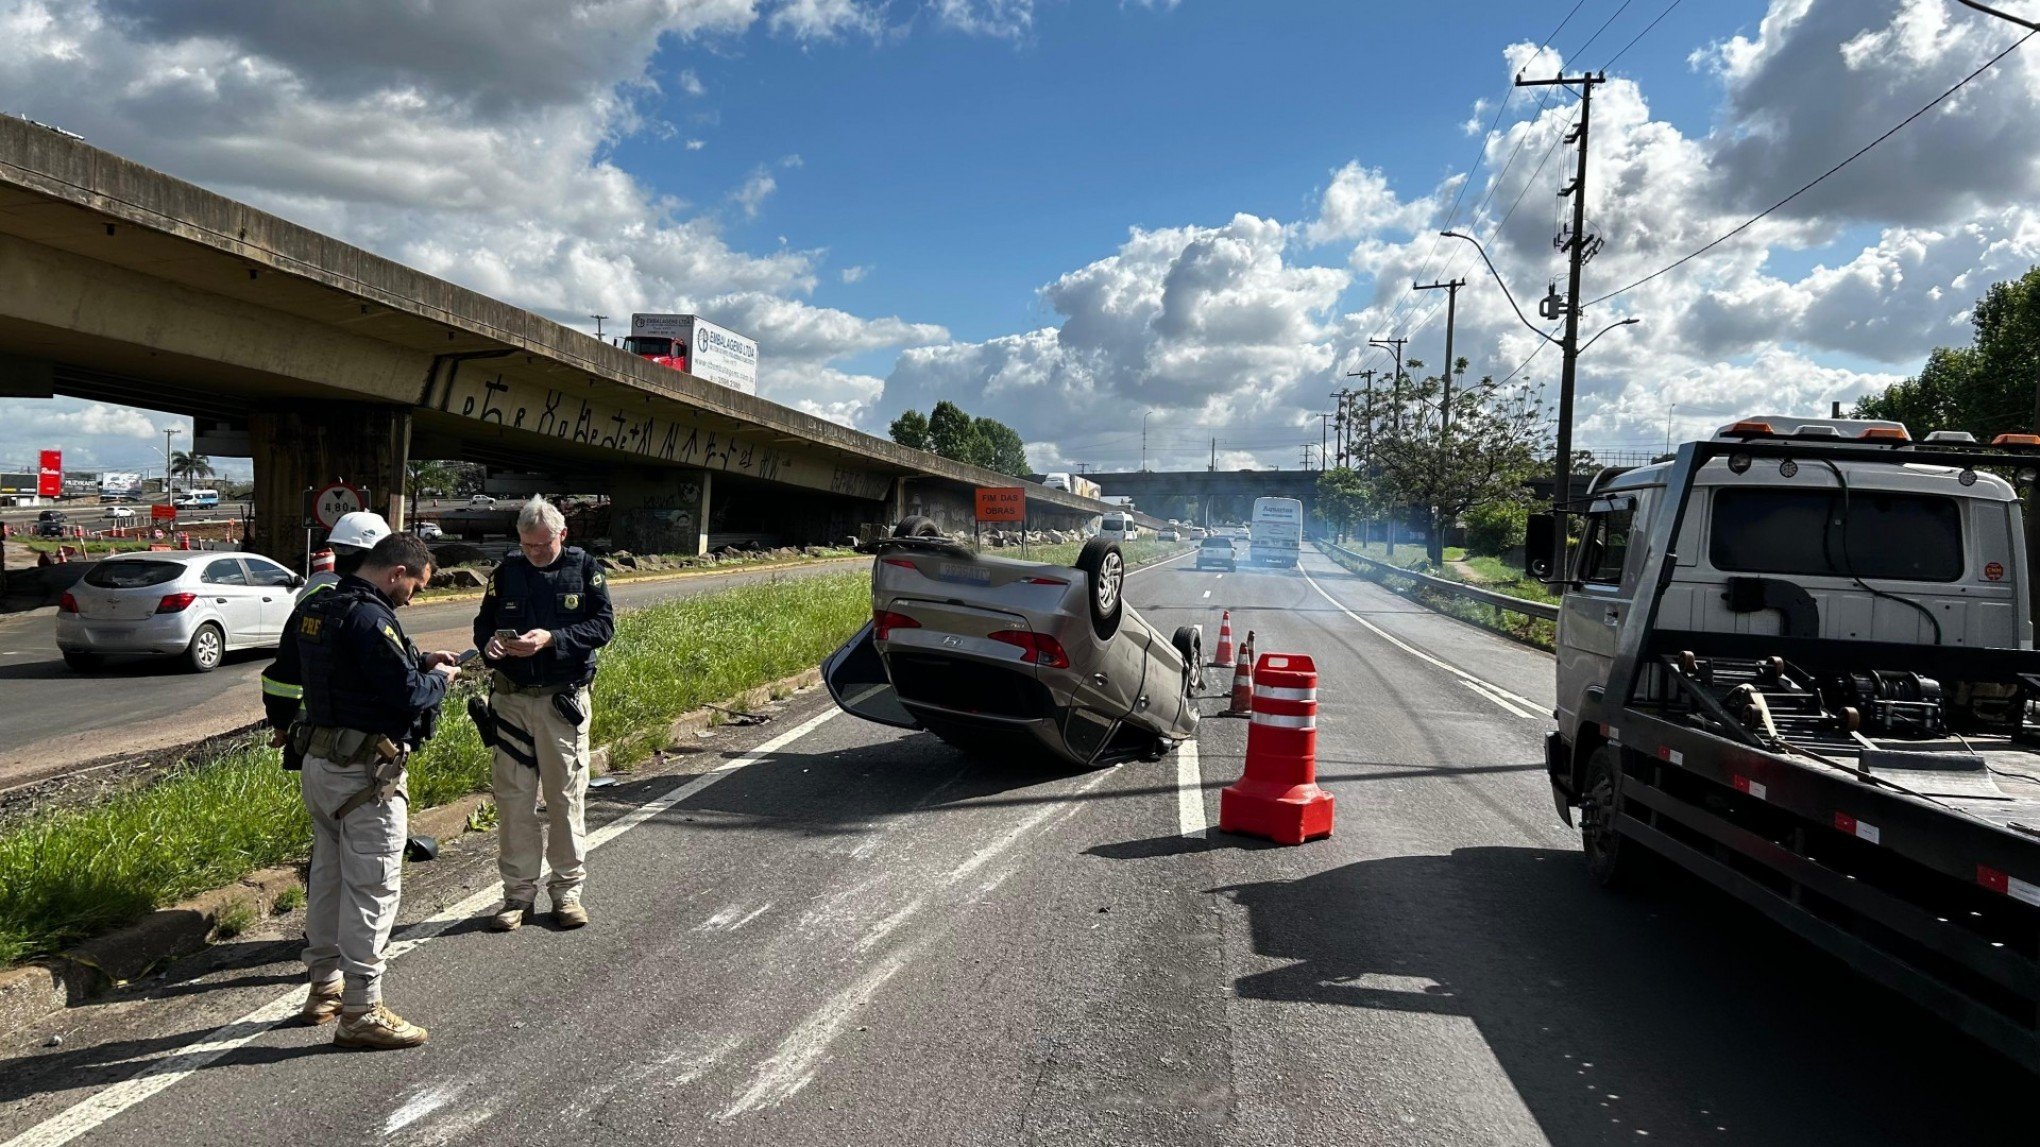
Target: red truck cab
pixel 664 351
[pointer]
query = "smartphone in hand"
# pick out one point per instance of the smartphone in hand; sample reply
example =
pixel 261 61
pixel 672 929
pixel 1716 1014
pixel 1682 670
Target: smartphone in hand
pixel 467 655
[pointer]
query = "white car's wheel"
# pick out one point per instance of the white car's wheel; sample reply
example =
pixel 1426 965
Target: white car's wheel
pixel 207 647
pixel 1105 567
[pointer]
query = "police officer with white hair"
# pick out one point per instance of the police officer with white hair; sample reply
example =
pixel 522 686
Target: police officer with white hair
pixel 545 616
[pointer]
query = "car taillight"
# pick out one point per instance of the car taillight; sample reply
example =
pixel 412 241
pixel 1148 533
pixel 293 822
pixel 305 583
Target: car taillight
pixel 883 622
pixel 1040 648
pixel 1044 581
pixel 175 602
pixel 67 604
pixel 903 563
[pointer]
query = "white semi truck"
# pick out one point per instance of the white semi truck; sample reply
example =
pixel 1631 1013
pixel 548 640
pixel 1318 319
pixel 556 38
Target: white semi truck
pixel 1797 660
pixel 693 345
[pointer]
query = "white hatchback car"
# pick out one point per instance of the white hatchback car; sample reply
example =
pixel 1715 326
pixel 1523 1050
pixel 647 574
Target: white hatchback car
pixel 198 606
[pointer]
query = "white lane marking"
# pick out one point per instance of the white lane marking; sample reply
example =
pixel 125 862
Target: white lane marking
pixel 162 1073
pixel 1160 564
pixel 1189 791
pixel 793 1064
pixel 1207 593
pixel 1483 689
pixel 1520 706
pixel 419 1106
pixel 1220 577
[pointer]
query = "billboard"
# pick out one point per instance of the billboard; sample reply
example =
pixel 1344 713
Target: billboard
pixel 115 485
pixel 50 474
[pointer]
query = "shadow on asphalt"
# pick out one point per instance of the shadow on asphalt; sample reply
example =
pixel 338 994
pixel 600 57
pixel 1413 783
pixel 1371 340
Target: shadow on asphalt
pixel 121 666
pixel 1680 1016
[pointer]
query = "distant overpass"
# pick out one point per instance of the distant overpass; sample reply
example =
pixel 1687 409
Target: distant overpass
pixel 324 362
pixel 1208 495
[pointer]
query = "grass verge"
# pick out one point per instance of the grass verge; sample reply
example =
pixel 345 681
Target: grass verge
pixel 1529 630
pixel 78 873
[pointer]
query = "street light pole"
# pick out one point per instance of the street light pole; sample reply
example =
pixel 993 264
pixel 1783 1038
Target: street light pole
pixel 1669 411
pixel 1143 441
pixel 166 463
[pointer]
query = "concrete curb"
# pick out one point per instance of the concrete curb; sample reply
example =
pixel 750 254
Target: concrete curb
pixel 32 991
pixel 671 575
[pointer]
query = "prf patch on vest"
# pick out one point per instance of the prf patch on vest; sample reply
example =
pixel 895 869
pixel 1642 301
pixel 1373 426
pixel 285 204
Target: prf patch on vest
pixel 595 579
pixel 390 632
pixel 309 626
pixel 571 601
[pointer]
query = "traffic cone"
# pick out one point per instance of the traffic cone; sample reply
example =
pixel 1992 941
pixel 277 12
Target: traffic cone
pixel 1247 652
pixel 1242 690
pixel 1277 796
pixel 183 541
pixel 1223 659
pixel 322 561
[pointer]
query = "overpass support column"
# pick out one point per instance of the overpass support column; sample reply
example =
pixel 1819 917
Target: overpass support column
pixel 663 512
pixel 313 445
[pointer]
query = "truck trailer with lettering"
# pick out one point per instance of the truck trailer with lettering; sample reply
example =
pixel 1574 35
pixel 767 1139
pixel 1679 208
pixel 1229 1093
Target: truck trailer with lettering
pixel 693 345
pixel 1797 661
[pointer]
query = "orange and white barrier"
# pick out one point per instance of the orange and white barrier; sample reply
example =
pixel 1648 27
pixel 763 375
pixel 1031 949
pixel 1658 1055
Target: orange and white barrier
pixel 1278 797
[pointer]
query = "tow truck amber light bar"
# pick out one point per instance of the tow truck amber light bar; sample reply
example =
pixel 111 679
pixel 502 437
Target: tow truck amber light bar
pixel 2017 441
pixel 1819 432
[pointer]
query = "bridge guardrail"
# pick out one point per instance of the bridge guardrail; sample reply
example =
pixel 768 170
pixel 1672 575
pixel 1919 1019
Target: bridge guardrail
pixel 1542 611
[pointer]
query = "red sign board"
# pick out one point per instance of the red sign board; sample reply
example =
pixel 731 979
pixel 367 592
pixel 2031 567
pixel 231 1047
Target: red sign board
pixel 164 513
pixel 49 478
pixel 1002 503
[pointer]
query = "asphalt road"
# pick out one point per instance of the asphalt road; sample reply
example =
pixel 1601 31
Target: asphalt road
pixel 55 718
pixel 851 936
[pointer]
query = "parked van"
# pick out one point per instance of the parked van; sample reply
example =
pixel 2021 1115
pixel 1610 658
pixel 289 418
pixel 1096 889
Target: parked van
pixel 197 498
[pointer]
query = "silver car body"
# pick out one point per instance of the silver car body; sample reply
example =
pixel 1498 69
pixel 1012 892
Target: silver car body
pixel 1003 657
pixel 121 603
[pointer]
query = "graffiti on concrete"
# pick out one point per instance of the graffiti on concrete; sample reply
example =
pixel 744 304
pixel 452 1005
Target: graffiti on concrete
pixel 558 413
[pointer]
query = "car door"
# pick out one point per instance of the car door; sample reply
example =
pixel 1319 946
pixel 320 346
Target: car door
pixel 276 587
pixel 238 605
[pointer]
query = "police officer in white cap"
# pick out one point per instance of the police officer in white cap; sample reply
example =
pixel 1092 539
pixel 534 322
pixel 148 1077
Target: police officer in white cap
pixel 352 537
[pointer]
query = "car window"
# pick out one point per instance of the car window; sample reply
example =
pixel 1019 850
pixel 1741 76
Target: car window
pixel 268 573
pixel 132 574
pixel 1607 547
pixel 226 571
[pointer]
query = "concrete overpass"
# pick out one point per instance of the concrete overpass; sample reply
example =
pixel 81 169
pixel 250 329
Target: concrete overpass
pixel 324 362
pixel 1225 495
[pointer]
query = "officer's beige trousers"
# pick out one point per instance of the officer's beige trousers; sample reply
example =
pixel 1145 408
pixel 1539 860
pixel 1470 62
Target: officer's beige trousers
pixel 561 777
pixel 357 863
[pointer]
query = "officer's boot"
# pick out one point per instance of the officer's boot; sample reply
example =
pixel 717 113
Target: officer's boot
pixel 377 1029
pixel 510 917
pixel 322 1004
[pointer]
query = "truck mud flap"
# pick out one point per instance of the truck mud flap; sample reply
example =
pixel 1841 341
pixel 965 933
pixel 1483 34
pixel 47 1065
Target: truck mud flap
pixel 1558 766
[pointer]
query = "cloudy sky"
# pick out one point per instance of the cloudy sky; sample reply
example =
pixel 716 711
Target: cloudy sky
pixel 1068 213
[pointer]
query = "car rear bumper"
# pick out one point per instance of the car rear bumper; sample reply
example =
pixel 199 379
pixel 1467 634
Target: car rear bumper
pixel 158 633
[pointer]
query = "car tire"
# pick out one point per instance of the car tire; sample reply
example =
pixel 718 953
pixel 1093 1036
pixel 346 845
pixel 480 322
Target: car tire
pixel 1613 860
pixel 208 646
pixel 1104 567
pixel 917 526
pixel 1189 641
pixel 81 662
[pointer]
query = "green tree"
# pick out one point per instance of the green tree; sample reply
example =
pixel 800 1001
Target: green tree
pixel 189 466
pixel 910 429
pixel 1986 388
pixel 1003 449
pixel 422 475
pixel 1345 498
pixel 954 434
pixel 1441 472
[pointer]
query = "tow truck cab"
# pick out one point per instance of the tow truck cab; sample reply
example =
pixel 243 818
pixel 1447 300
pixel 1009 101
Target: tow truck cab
pixel 1801 548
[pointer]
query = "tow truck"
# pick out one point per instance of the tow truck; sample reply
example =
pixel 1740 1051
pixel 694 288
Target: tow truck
pixel 1796 659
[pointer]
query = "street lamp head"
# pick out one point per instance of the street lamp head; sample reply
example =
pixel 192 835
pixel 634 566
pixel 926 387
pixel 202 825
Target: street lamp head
pixel 1455 235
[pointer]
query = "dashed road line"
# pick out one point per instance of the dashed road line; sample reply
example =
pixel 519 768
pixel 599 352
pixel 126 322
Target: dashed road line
pixel 1190 820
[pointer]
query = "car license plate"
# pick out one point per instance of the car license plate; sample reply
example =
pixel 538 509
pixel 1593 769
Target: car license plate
pixel 969 574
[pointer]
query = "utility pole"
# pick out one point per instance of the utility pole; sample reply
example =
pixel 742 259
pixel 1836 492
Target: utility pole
pixel 598 324
pixel 1451 290
pixel 1394 346
pixel 1214 455
pixel 1306 455
pixel 1579 247
pixel 1367 423
pixel 1324 438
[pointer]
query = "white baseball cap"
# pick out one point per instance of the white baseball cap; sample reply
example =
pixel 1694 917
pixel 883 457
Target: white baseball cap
pixel 360 529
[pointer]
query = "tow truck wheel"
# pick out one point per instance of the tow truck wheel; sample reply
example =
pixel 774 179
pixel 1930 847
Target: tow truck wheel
pixel 1612 860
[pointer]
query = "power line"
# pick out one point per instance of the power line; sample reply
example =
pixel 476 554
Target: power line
pixel 1860 152
pixel 1582 49
pixel 1640 35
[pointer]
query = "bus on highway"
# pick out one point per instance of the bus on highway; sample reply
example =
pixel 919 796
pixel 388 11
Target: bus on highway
pixel 199 498
pixel 1276 532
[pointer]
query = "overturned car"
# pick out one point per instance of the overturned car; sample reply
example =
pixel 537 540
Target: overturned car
pixel 1008 658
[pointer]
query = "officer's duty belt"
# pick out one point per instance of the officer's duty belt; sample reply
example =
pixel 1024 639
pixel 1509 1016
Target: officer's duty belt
pixel 341 746
pixel 501 683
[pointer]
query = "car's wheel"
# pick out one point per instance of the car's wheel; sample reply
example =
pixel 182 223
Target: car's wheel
pixel 917 526
pixel 1189 642
pixel 81 661
pixel 1614 861
pixel 1105 567
pixel 207 646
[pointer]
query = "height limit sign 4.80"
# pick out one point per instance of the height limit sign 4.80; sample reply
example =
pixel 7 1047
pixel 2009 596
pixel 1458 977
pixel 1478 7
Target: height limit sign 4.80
pixel 1002 503
pixel 335 502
